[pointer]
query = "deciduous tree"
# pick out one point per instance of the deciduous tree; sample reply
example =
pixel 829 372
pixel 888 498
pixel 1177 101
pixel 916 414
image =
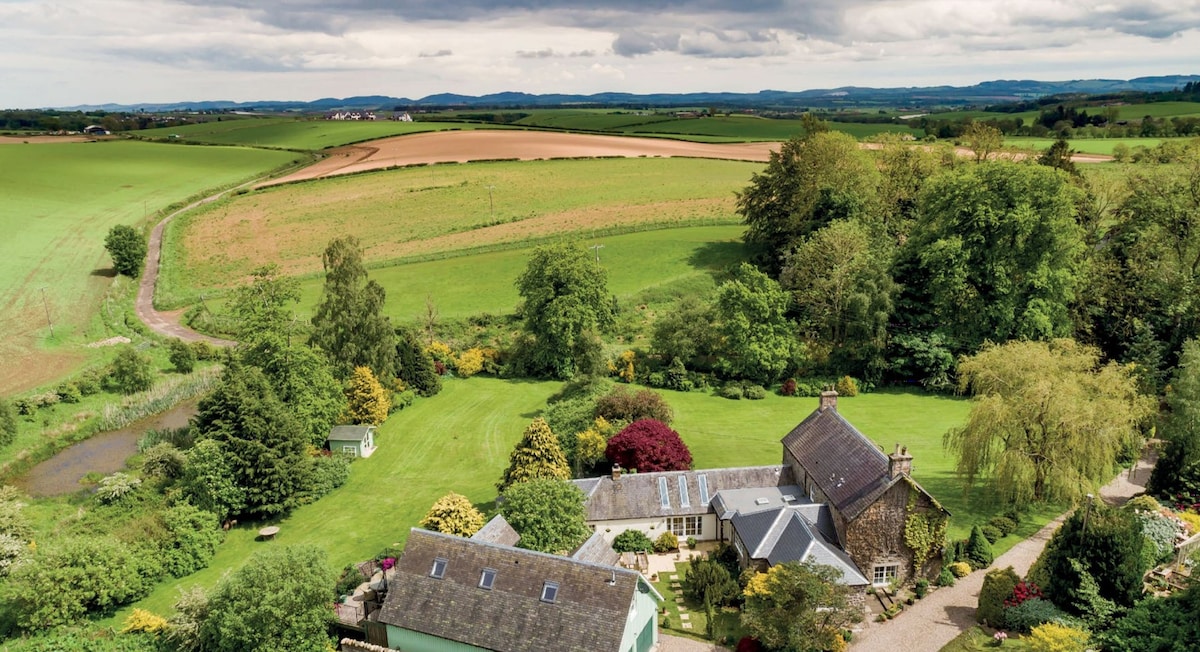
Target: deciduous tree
pixel 127 247
pixel 8 423
pixel 811 181
pixel 1047 420
pixel 757 338
pixel 982 139
pixel 549 515
pixel 537 455
pixel 349 324
pixel 798 607
pixel 995 255
pixel 264 307
pixel 622 406
pixel 687 333
pixel 1176 475
pixel 182 356
pixel 453 514
pixel 565 302
pixel 648 445
pixel 842 291
pixel 208 480
pixel 278 600
pixel 131 371
pixel 303 379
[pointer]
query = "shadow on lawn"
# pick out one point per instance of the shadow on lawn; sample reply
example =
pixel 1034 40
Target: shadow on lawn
pixel 717 256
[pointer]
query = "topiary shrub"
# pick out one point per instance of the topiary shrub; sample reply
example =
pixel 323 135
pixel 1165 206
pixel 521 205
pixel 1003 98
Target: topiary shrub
pixel 1006 525
pixel 960 569
pixel 946 577
pixel 754 392
pixel 666 542
pixel 979 550
pixel 847 386
pixel 732 391
pixel 921 588
pixel 997 587
pixel 991 533
pixel 632 541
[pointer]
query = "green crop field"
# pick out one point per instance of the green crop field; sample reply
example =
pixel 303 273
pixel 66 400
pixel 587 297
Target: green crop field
pixel 460 441
pixel 1124 112
pixel 594 120
pixel 57 202
pixel 754 128
pixel 437 209
pixel 290 133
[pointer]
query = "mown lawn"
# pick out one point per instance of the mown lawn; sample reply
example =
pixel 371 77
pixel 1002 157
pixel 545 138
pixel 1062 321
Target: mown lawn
pixel 460 441
pixel 727 627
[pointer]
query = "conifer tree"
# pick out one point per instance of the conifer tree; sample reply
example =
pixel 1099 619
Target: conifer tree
pixel 453 514
pixel 537 455
pixel 366 400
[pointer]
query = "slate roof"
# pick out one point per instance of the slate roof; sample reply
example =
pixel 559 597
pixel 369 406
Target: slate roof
pixel 498 531
pixel 638 495
pixel 349 433
pixel 848 468
pixel 597 550
pixel 785 534
pixel 589 612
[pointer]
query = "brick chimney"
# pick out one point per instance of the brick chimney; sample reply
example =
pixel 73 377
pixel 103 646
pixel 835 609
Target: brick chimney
pixel 828 400
pixel 616 472
pixel 899 462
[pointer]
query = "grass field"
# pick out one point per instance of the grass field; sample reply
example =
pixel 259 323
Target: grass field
pixel 753 128
pixel 437 209
pixel 290 133
pixel 460 441
pixel 1087 145
pixel 1124 112
pixel 57 202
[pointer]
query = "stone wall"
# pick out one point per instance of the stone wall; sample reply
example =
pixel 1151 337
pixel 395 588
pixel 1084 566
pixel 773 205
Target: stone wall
pixel 876 537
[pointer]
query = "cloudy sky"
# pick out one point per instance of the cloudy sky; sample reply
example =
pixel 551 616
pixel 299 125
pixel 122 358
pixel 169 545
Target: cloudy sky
pixel 67 52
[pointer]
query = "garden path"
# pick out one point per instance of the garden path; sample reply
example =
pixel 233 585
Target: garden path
pixel 668 643
pixel 941 616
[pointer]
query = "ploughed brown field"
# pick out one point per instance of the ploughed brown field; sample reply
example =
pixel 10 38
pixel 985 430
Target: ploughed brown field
pixel 464 146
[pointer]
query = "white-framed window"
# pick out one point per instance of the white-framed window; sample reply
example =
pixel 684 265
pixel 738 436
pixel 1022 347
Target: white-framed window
pixel 549 591
pixel 487 578
pixel 350 449
pixel 686 526
pixel 439 568
pixel 884 573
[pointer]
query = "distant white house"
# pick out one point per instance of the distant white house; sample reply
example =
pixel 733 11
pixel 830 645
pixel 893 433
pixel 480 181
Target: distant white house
pixel 350 115
pixel 402 117
pixel 356 441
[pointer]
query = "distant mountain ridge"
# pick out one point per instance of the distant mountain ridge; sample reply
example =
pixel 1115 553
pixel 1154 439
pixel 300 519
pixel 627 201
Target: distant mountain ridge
pixel 916 96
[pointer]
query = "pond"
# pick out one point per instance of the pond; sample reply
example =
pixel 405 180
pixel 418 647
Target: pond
pixel 103 453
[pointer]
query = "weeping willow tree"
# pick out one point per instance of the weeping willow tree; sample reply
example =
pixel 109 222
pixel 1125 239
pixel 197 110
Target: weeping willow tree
pixel 1048 421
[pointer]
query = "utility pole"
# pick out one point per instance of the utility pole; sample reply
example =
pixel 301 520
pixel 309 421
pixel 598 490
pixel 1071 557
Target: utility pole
pixel 596 248
pixel 491 204
pixel 47 307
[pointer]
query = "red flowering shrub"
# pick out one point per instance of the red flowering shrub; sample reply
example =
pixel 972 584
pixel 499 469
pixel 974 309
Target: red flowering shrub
pixel 648 445
pixel 788 388
pixel 1023 591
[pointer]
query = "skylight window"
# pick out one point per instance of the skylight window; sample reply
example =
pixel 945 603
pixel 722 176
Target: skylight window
pixel 703 482
pixel 761 501
pixel 549 591
pixel 439 568
pixel 684 501
pixel 662 493
pixel 487 578
pixel 789 498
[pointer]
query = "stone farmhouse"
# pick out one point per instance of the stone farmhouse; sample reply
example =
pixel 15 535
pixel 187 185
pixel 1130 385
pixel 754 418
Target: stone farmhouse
pixel 836 499
pixel 456 594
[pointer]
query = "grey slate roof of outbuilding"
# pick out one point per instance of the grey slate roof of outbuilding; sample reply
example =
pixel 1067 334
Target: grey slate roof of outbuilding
pixel 637 495
pixel 785 534
pixel 349 433
pixel 848 468
pixel 588 614
pixel 597 550
pixel 498 531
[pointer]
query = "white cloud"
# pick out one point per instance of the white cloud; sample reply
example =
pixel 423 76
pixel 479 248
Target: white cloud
pixel 93 51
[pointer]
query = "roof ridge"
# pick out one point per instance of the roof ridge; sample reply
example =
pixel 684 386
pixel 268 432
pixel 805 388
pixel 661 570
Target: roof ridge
pixel 533 553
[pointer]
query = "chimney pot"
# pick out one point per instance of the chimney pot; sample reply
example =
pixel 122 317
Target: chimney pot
pixel 828 400
pixel 616 472
pixel 899 462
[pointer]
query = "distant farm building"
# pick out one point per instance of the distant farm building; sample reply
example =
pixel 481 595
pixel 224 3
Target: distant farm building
pixel 350 115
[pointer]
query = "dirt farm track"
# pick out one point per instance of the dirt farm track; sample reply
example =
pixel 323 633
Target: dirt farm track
pixel 464 146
